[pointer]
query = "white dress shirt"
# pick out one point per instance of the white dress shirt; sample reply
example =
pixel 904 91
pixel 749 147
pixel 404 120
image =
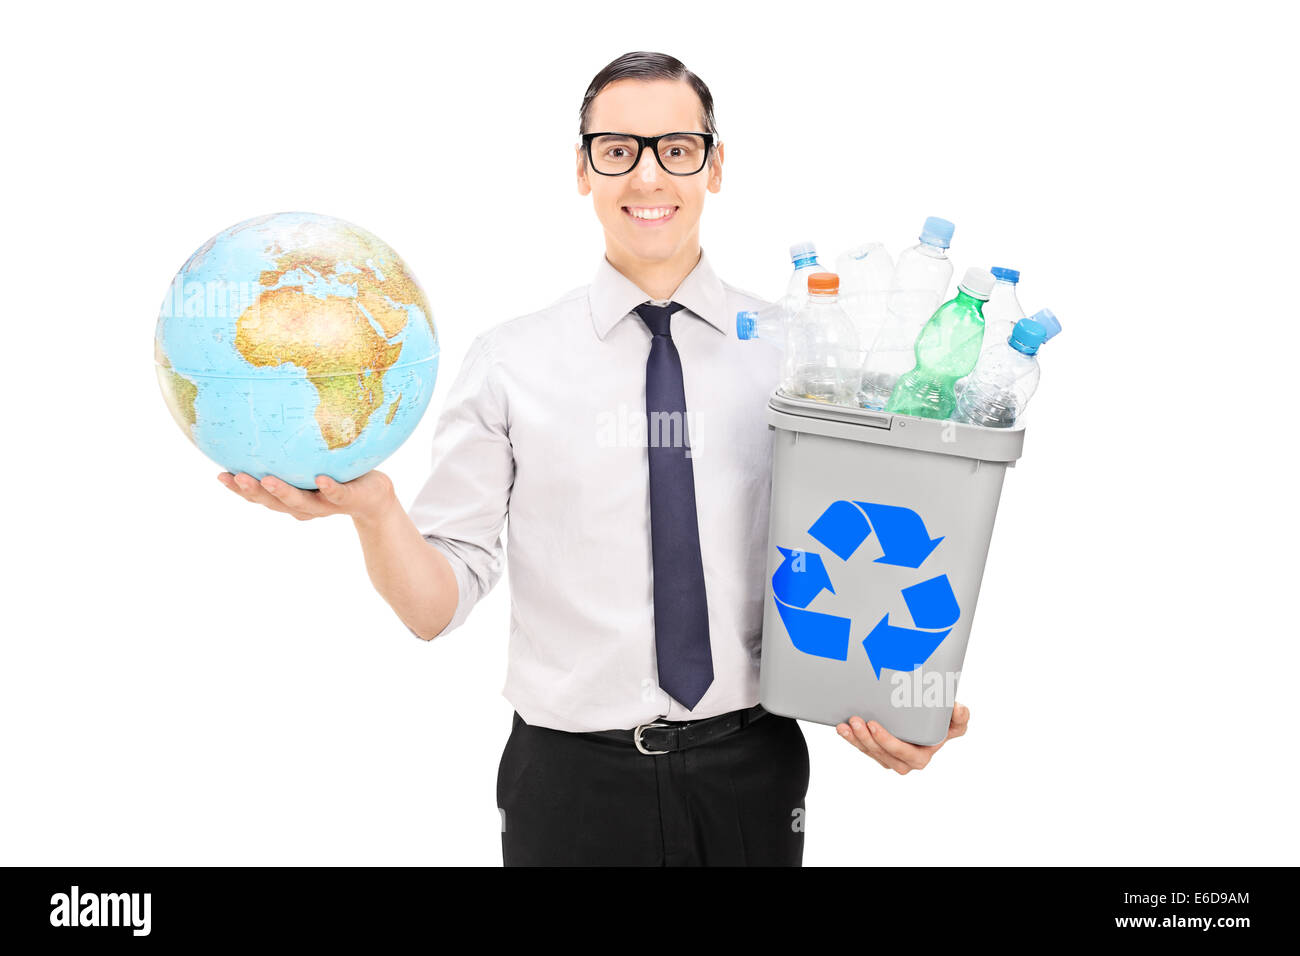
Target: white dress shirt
pixel 546 424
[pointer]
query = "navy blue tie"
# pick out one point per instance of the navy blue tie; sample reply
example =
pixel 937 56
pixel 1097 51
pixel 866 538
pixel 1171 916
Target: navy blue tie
pixel 682 649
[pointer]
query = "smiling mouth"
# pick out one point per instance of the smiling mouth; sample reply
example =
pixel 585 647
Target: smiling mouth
pixel 651 216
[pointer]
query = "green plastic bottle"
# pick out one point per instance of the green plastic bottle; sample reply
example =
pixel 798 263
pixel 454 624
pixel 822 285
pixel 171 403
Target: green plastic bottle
pixel 947 349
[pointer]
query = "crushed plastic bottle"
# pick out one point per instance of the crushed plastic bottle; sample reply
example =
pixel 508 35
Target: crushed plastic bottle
pixel 866 275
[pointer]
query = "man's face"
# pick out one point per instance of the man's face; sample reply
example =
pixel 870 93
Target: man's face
pixel 649 107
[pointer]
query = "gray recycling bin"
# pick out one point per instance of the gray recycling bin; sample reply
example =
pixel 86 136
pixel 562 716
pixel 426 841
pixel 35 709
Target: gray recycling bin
pixel 880 527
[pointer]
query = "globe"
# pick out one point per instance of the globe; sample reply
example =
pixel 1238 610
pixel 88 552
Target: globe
pixel 296 345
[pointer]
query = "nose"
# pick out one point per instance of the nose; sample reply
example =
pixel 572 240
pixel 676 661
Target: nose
pixel 648 170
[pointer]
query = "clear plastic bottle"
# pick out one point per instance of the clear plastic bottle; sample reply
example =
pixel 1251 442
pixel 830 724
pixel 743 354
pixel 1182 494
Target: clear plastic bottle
pixel 804 257
pixel 1003 310
pixel 995 338
pixel 998 390
pixel 947 348
pixel 822 354
pixel 866 274
pixel 920 283
pixel 773 325
pixel 769 323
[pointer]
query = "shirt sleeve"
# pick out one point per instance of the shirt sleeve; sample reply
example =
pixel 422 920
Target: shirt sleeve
pixel 462 507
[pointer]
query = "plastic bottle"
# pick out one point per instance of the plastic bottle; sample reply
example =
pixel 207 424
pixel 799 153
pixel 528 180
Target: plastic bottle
pixel 920 283
pixel 1003 309
pixel 772 325
pixel 823 347
pixel 866 274
pixel 1002 303
pixel 947 348
pixel 995 337
pixel 804 257
pixel 999 389
pixel 923 272
pixel 769 323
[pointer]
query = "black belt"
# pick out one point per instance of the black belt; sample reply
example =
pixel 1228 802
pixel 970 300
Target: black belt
pixel 661 737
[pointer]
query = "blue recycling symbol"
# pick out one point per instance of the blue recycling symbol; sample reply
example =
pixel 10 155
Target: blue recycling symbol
pixel 906 543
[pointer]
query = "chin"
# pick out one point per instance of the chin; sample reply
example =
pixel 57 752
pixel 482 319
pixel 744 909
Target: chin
pixel 663 248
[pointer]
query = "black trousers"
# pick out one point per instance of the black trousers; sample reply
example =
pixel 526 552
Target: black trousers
pixel 573 800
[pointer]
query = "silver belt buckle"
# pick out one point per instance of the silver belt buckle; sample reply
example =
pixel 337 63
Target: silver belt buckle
pixel 636 738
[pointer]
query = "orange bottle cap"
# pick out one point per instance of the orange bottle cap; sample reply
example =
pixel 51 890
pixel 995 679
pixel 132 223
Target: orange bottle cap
pixel 824 283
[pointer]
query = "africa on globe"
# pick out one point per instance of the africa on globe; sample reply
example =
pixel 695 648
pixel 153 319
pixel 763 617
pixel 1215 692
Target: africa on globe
pixel 296 345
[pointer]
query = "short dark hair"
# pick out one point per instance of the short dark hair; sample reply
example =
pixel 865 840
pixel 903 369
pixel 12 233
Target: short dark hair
pixel 647 66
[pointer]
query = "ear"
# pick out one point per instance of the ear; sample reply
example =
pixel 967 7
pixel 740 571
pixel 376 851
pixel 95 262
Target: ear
pixel 584 186
pixel 715 169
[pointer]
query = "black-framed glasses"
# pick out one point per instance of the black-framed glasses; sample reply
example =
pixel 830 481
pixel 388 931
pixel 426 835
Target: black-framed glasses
pixel 615 154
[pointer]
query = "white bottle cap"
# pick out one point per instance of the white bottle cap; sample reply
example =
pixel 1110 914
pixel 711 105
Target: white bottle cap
pixel 978 282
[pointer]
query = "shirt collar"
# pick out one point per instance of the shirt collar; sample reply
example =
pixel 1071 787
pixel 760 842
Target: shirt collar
pixel 613 296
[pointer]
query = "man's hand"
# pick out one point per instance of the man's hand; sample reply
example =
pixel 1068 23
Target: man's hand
pixel 362 498
pixel 890 752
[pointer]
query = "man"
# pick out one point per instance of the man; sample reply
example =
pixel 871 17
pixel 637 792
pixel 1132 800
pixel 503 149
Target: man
pixel 622 431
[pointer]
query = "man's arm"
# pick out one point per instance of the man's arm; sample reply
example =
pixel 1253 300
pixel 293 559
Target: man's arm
pixel 460 512
pixel 414 578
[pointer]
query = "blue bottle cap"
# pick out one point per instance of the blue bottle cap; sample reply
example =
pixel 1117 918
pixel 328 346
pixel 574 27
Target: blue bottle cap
pixel 800 250
pixel 1027 336
pixel 937 232
pixel 1048 320
pixel 746 325
pixel 1005 274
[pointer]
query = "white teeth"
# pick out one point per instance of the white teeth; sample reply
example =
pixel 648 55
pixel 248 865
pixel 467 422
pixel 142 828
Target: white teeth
pixel 651 213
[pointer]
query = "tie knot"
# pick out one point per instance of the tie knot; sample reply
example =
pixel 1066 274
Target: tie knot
pixel 656 316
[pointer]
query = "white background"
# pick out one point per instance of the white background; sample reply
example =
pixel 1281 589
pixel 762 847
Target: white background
pixel 189 679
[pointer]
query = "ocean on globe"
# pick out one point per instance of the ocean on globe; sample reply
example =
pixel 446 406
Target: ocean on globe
pixel 296 345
